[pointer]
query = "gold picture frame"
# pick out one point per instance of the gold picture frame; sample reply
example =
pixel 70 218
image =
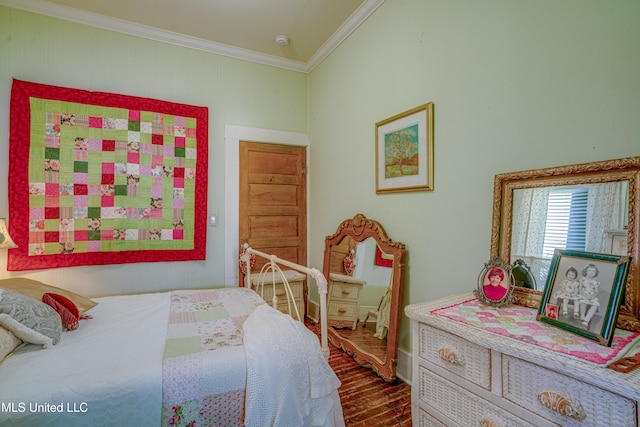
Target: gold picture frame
pixel 404 151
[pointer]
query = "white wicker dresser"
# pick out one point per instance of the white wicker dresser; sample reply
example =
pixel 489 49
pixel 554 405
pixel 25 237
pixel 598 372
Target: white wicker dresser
pixel 466 376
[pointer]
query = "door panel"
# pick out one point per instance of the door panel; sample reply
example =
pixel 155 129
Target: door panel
pixel 273 214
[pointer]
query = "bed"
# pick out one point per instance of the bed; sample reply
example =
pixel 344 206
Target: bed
pixel 219 356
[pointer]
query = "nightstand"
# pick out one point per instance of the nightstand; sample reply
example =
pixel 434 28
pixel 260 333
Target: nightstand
pixel 296 283
pixel 343 302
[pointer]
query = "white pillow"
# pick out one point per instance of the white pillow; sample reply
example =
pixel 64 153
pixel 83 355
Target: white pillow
pixel 30 320
pixel 8 342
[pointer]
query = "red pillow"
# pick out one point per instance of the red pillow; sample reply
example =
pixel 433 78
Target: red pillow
pixel 67 310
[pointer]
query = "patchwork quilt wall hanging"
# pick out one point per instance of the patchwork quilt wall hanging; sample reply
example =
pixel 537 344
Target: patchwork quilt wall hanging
pixel 101 178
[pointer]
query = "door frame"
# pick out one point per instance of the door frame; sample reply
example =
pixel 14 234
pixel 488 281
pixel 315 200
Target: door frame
pixel 232 137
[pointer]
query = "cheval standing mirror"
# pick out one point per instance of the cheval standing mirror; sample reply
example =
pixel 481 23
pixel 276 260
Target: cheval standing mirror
pixel 365 271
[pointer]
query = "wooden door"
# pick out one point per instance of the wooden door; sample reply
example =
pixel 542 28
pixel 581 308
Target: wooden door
pixel 273 201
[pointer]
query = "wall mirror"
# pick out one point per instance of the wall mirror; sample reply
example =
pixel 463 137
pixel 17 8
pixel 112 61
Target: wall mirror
pixel 589 207
pixel 365 270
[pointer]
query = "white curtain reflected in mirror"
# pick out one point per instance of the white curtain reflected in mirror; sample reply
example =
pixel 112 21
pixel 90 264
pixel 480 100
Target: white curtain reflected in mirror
pixel 585 217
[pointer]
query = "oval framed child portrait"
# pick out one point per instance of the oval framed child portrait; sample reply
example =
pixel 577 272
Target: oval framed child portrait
pixel 495 284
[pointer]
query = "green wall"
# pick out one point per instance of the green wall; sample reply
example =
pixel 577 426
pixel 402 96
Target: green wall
pixel 516 85
pixel 52 51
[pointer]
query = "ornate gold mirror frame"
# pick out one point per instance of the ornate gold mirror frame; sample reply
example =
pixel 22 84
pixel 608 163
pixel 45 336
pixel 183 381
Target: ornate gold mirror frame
pixel 353 334
pixel 627 169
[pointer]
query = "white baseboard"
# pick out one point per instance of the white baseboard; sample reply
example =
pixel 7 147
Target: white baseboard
pixel 313 309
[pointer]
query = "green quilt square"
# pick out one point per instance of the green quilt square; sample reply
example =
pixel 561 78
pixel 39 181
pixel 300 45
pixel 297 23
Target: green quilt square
pixel 175 347
pixel 134 126
pixel 81 167
pixel 120 190
pixel 51 153
pixel 94 212
pixel 213 313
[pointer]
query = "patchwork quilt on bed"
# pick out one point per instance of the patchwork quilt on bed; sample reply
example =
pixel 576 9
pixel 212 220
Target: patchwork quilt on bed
pixel 204 363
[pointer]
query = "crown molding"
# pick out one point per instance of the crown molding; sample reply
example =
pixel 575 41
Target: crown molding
pixel 138 30
pixel 349 26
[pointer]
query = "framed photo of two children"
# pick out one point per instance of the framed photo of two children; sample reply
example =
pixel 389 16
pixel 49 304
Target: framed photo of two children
pixel 583 293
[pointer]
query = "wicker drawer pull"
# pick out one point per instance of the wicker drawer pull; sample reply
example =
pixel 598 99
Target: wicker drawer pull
pixel 450 356
pixel 485 422
pixel 558 403
pixel 346 291
pixel 342 310
pixel 280 293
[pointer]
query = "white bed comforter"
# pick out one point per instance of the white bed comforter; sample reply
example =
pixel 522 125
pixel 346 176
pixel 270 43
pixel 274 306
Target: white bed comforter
pixel 283 390
pixel 95 376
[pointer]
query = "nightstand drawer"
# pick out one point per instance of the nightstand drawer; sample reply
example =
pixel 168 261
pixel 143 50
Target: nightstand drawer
pixel 562 399
pixel 345 291
pixel 341 309
pixel 281 294
pixel 461 406
pixel 457 355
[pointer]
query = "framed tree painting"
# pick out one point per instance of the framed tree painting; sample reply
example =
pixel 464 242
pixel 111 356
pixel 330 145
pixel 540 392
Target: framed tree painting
pixel 404 151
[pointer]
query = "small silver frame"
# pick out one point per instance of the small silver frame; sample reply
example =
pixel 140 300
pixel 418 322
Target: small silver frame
pixel 495 295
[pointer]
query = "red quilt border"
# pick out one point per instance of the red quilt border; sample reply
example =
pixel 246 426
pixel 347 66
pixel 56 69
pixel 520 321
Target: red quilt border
pixel 18 259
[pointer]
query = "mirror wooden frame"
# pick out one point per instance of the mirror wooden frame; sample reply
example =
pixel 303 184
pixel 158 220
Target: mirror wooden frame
pixel 626 169
pixel 360 228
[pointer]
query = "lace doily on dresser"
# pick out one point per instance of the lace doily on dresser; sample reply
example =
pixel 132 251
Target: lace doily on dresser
pixel 520 323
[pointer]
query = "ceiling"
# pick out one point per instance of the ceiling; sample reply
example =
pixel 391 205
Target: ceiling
pixel 240 28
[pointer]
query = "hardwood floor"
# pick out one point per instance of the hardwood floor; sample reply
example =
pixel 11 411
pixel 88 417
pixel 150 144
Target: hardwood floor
pixel 367 400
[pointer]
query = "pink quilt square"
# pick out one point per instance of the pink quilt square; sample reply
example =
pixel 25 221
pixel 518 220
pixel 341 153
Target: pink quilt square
pixel 93 246
pixel 178 234
pixel 134 115
pixel 80 202
pixel 95 122
pixel 51 213
pixel 36 213
pixel 180 141
pixel 179 121
pixel 81 235
pixel 133 157
pixel 108 179
pixel 191 132
pixel 36 237
pixel 156 191
pixel 81 178
pixel 178 203
pixel 106 234
pixel 52 201
pixel 108 168
pixel 107 201
pixel 157 139
pixel 178 172
pixel 51 188
pixel 51 236
pixel 80 189
pixel 156 213
pixel 108 145
pixel 178 183
pixel 156 160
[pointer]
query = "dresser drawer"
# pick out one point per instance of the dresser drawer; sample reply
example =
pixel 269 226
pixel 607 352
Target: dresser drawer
pixel 562 399
pixel 426 420
pixel 345 291
pixel 460 405
pixel 457 355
